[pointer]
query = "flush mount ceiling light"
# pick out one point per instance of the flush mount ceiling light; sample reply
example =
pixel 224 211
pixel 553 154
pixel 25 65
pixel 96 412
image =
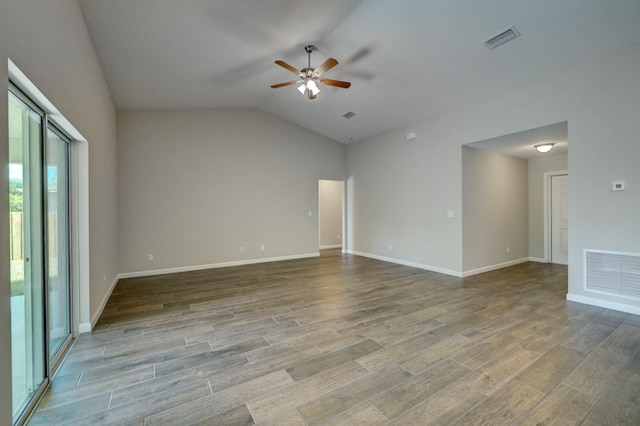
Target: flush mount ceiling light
pixel 309 77
pixel 544 147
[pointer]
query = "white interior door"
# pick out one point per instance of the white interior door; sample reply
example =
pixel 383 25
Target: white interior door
pixel 559 219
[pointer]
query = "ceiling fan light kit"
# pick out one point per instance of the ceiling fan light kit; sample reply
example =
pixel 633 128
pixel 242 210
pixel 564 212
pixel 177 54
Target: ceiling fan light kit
pixel 309 85
pixel 310 77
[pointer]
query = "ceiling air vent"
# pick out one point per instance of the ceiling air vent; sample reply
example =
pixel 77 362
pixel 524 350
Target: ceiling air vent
pixel 349 115
pixel 501 38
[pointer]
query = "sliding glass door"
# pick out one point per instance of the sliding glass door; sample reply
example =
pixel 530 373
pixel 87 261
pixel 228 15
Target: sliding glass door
pixel 57 246
pixel 40 250
pixel 27 260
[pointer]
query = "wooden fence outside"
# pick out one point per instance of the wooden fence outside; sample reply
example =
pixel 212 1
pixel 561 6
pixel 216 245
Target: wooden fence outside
pixel 16 250
pixel 16 235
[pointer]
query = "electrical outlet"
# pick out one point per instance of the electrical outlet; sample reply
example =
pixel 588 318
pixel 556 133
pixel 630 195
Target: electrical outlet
pixel 241 249
pixel 508 249
pixel 262 247
pixel 338 237
pixel 390 247
pixel 150 257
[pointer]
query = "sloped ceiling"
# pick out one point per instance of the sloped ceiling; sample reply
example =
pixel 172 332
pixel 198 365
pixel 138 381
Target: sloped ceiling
pixel 406 59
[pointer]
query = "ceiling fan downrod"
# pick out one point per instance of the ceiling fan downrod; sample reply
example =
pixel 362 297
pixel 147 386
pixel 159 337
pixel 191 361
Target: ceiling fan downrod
pixel 308 71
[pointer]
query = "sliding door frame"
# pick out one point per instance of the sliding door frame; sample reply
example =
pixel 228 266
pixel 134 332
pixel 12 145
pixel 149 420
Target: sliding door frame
pixel 52 363
pixel 32 242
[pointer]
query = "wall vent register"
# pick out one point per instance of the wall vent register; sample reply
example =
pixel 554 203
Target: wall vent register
pixel 613 273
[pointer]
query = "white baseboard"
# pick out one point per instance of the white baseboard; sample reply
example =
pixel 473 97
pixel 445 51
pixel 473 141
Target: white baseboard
pixel 438 269
pixel 494 267
pixel 622 307
pixel 214 265
pixel 335 246
pixel 537 259
pixel 406 263
pixel 86 327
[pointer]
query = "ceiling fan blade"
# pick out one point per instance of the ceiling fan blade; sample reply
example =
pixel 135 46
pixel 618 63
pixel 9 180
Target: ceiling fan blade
pixel 285 65
pixel 336 83
pixel 288 83
pixel 326 66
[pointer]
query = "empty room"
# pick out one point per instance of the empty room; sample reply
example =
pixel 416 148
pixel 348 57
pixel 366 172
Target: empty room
pixel 286 212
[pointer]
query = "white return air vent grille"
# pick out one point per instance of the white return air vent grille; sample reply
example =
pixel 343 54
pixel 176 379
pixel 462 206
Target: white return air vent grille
pixel 613 273
pixel 501 38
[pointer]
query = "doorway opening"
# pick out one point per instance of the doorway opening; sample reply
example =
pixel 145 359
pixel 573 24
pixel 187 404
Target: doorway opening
pixel 489 241
pixel 330 214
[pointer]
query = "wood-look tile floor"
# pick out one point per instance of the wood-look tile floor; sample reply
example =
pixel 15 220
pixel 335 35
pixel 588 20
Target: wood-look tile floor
pixel 348 340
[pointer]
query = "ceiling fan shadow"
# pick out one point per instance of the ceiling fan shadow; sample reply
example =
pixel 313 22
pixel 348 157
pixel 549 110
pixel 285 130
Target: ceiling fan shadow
pixel 250 69
pixel 348 67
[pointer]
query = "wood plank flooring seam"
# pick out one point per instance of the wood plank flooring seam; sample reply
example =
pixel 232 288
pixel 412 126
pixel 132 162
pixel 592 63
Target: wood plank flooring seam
pixel 610 385
pixel 110 398
pixel 79 379
pixel 542 400
pixel 373 407
pixel 332 388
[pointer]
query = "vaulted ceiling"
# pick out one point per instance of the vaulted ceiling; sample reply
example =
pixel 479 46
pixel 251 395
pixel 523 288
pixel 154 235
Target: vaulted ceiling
pixel 406 59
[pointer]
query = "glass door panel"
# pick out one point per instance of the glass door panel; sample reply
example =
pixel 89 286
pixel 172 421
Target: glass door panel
pixel 26 241
pixel 57 245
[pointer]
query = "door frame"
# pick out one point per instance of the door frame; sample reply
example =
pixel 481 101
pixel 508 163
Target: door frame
pixel 547 210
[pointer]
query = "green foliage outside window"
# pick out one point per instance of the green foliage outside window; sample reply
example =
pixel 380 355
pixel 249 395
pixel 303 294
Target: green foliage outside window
pixel 15 195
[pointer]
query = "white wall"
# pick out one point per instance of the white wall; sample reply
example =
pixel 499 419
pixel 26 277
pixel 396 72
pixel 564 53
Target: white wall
pixel 331 194
pixel 399 193
pixel 494 209
pixel 403 189
pixel 48 41
pixel 537 168
pixel 195 186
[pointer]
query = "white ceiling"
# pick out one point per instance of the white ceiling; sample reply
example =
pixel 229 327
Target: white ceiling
pixel 522 144
pixel 406 59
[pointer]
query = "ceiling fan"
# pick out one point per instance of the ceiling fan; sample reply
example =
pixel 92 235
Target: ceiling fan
pixel 309 77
